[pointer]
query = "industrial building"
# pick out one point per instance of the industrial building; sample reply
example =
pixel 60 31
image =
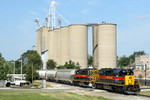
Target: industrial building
pixel 71 43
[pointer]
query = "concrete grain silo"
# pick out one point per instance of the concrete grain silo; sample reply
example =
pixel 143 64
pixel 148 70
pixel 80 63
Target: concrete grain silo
pixel 107 46
pixel 42 39
pixel 45 38
pixel 78 46
pixel 51 44
pixel 56 45
pixel 64 45
pixel 95 46
pixel 39 40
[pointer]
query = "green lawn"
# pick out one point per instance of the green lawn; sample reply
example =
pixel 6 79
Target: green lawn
pixel 145 93
pixel 36 95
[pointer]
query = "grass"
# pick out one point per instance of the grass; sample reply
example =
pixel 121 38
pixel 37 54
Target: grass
pixel 37 95
pixel 145 93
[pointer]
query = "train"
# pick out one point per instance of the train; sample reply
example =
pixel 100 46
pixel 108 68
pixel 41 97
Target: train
pixel 114 79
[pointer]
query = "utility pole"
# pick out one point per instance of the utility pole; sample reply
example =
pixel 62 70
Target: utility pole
pixel 32 72
pixel 145 73
pixel 21 68
pixel 14 66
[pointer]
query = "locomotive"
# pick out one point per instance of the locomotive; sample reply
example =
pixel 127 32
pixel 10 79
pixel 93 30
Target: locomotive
pixel 118 80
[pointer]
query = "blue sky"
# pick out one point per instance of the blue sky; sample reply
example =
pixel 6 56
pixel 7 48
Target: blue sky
pixel 17 27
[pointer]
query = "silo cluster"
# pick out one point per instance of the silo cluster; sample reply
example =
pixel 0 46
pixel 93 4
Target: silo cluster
pixel 104 46
pixel 71 43
pixel 64 44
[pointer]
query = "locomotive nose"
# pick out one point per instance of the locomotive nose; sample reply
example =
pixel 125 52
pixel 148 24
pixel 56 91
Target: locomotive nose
pixel 129 80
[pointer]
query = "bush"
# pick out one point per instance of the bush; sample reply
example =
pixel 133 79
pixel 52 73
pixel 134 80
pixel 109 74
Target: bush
pixel 140 76
pixel 69 65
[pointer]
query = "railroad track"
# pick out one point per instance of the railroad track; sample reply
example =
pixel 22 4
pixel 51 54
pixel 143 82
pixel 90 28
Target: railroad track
pixel 143 95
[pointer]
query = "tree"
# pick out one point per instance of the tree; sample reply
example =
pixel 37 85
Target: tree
pixel 3 74
pixel 126 61
pixel 136 53
pixel 32 57
pixel 29 71
pixel 123 61
pixel 5 68
pixel 31 62
pixel 90 60
pixel 51 64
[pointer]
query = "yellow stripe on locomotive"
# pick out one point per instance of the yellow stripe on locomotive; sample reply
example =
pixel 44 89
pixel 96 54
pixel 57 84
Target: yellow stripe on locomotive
pixel 129 80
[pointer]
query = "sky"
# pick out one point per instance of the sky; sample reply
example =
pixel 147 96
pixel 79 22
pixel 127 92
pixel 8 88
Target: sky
pixel 18 31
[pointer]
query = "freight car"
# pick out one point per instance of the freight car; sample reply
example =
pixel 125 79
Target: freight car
pixel 65 75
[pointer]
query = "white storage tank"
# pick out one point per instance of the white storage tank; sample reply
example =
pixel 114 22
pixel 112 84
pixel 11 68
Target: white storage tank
pixel 107 46
pixel 78 44
pixel 64 45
